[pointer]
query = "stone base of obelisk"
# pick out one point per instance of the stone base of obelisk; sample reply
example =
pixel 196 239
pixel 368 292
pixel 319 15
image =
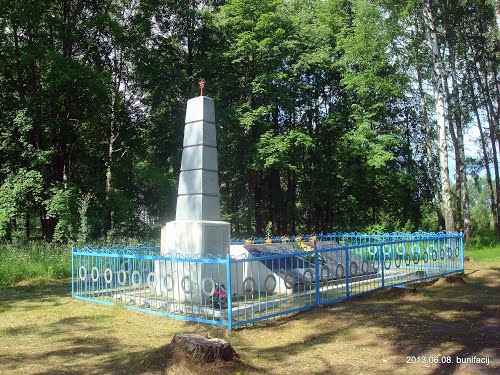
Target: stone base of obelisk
pixel 182 280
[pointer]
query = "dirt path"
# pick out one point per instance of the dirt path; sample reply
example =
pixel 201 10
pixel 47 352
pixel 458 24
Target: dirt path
pixel 43 331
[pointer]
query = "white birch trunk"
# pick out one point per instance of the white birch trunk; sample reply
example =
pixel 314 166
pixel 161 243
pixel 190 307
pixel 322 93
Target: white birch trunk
pixel 439 94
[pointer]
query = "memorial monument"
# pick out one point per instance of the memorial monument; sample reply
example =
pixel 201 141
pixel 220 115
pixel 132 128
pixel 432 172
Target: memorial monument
pixel 197 229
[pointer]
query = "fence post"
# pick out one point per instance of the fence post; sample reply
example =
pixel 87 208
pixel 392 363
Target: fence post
pixel 316 272
pixel 382 265
pixel 347 292
pixel 228 291
pixel 72 273
pixel 461 244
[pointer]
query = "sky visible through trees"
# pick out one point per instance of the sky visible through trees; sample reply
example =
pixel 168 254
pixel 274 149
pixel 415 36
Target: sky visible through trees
pixel 332 115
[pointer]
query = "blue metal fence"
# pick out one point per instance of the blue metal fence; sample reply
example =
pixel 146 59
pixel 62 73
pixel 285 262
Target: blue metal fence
pixel 232 291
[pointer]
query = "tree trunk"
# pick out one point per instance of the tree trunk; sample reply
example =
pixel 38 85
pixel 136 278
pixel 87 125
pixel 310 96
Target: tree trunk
pixel 429 140
pixel 493 205
pixel 458 179
pixel 292 205
pixel 259 224
pixel 251 202
pixel 109 172
pixel 497 14
pixel 439 93
pixel 443 158
pixel 109 185
pixel 276 200
pixel 491 125
pixel 463 197
pixel 27 225
pixel 118 79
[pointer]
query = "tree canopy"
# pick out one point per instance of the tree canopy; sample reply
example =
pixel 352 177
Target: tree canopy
pixel 331 114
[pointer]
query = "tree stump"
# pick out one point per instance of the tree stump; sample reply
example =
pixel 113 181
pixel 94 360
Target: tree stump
pixel 203 348
pixel 456 279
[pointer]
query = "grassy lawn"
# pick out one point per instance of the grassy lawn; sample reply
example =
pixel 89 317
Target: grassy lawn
pixel 483 254
pixel 40 260
pixel 44 331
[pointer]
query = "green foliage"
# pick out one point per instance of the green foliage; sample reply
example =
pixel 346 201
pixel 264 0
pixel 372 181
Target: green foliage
pixel 85 229
pixel 18 193
pixel 482 219
pixel 63 206
pixel 429 221
pixel 279 151
pixel 318 125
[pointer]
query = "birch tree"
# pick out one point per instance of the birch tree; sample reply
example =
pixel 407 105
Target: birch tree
pixel 438 81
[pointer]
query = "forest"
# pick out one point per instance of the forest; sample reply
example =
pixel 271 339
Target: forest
pixel 332 115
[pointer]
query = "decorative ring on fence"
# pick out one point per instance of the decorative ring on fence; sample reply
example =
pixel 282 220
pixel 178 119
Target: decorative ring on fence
pixel 434 255
pixel 374 251
pixel 94 274
pixel 136 275
pixel 337 274
pixel 442 254
pixel 151 280
pixel 396 261
pixel 402 248
pixel 321 273
pixel 83 275
pixel 311 277
pixel 457 252
pixel 450 252
pixel 165 282
pixel 408 259
pixel 416 258
pixel 107 272
pixel 289 279
pixel 125 268
pixel 363 269
pixel 211 291
pixel 388 252
pixel 250 280
pixel 386 264
pixel 270 277
pixel 183 285
pixel 120 281
pixel 351 272
pixel 426 257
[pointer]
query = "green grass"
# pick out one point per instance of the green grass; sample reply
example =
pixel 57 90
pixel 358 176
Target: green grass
pixel 44 331
pixel 33 260
pixel 483 254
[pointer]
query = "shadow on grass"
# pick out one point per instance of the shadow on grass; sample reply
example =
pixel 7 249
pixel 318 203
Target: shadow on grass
pixel 83 339
pixel 36 291
pixel 80 348
pixel 107 357
pixel 442 315
pixel 463 316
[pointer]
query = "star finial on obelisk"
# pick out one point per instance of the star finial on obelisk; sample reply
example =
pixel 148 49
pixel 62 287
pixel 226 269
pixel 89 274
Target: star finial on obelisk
pixel 202 86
